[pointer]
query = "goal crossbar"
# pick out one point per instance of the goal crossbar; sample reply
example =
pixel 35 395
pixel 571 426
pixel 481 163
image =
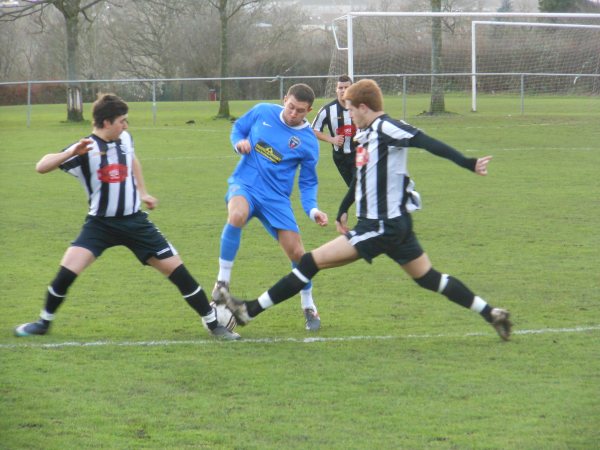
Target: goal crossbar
pixel 348 18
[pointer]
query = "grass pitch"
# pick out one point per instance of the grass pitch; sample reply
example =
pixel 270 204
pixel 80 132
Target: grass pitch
pixel 127 364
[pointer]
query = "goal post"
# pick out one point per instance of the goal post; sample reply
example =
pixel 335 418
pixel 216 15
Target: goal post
pixel 396 49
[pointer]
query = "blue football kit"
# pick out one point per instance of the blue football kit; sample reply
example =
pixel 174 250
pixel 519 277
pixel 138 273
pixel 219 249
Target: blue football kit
pixel 265 176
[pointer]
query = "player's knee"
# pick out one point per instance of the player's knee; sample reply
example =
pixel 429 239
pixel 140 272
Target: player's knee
pixel 307 266
pixel 296 255
pixel 432 280
pixel 237 219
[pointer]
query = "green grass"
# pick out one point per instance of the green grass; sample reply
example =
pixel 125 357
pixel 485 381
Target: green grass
pixel 396 366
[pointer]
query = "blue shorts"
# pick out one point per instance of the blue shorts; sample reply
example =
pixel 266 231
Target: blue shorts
pixel 136 232
pixel 274 215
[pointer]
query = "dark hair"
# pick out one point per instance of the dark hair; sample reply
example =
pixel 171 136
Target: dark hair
pixel 366 92
pixel 344 79
pixel 302 92
pixel 108 107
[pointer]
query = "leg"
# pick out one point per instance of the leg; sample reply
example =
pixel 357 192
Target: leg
pixel 173 268
pixel 421 270
pixel 292 245
pixel 74 262
pixel 238 211
pixel 335 253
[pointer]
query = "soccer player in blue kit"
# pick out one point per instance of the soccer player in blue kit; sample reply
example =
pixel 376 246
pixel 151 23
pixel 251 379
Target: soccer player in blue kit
pixel 274 142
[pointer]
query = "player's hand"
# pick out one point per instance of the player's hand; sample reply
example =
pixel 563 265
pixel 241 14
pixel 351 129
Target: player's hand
pixel 338 140
pixel 243 146
pixel 481 165
pixel 321 218
pixel 83 146
pixel 342 225
pixel 150 201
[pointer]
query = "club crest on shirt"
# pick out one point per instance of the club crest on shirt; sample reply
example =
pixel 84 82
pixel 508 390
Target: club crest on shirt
pixel 294 142
pixel 362 156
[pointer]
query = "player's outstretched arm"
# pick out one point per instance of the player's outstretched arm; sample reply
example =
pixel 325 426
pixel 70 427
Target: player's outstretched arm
pixel 481 165
pixel 51 161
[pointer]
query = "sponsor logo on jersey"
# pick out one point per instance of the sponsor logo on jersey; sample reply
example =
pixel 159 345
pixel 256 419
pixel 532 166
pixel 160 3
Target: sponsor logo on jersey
pixel 346 130
pixel 294 142
pixel 362 156
pixel 268 152
pixel 112 173
pixel 267 124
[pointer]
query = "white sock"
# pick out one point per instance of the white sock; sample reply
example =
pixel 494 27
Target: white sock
pixel 265 300
pixel 306 299
pixel 478 304
pixel 46 315
pixel 224 270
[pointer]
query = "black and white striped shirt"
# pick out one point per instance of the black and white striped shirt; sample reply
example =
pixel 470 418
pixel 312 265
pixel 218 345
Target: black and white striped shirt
pixel 106 173
pixel 337 120
pixel 381 168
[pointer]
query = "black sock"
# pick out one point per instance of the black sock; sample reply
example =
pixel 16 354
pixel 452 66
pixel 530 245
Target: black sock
pixel 57 291
pixel 254 308
pixel 191 290
pixel 293 282
pixel 454 289
pixel 486 313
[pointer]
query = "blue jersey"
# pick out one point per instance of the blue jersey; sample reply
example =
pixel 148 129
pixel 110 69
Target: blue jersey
pixel 277 152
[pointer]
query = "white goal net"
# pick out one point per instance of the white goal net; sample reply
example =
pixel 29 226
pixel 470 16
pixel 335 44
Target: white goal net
pixel 470 53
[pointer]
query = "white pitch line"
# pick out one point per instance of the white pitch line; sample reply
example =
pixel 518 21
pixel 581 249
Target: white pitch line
pixel 308 340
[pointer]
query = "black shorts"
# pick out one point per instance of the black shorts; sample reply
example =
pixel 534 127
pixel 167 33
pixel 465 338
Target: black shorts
pixel 136 232
pixel 393 237
pixel 346 164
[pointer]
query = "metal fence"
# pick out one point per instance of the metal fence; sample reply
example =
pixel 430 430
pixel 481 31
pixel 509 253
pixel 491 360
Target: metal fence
pixel 520 85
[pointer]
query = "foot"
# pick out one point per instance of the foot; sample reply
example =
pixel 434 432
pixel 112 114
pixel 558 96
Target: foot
pixel 31 329
pixel 501 322
pixel 217 288
pixel 313 321
pixel 237 307
pixel 224 334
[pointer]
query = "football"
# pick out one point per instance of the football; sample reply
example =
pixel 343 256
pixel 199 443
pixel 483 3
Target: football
pixel 224 316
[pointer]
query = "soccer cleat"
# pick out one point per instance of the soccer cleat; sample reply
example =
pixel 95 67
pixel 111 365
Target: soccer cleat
pixel 237 307
pixel 224 334
pixel 313 321
pixel 31 329
pixel 501 322
pixel 216 292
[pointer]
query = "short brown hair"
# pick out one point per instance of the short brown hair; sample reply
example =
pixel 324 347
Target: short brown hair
pixel 366 92
pixel 302 92
pixel 108 107
pixel 344 79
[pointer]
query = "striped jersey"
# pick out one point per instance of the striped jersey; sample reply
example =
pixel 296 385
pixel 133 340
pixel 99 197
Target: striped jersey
pixel 106 173
pixel 338 122
pixel 381 168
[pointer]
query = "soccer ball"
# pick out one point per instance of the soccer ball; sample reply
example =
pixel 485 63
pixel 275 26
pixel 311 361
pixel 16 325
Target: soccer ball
pixel 224 316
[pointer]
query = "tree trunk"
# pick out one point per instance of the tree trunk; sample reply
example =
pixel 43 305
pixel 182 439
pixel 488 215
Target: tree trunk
pixel 437 105
pixel 74 100
pixel 224 92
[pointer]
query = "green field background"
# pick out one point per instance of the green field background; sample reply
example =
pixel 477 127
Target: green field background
pixel 127 364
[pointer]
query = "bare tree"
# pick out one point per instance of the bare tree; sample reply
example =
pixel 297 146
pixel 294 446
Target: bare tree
pixel 70 10
pixel 227 9
pixel 437 105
